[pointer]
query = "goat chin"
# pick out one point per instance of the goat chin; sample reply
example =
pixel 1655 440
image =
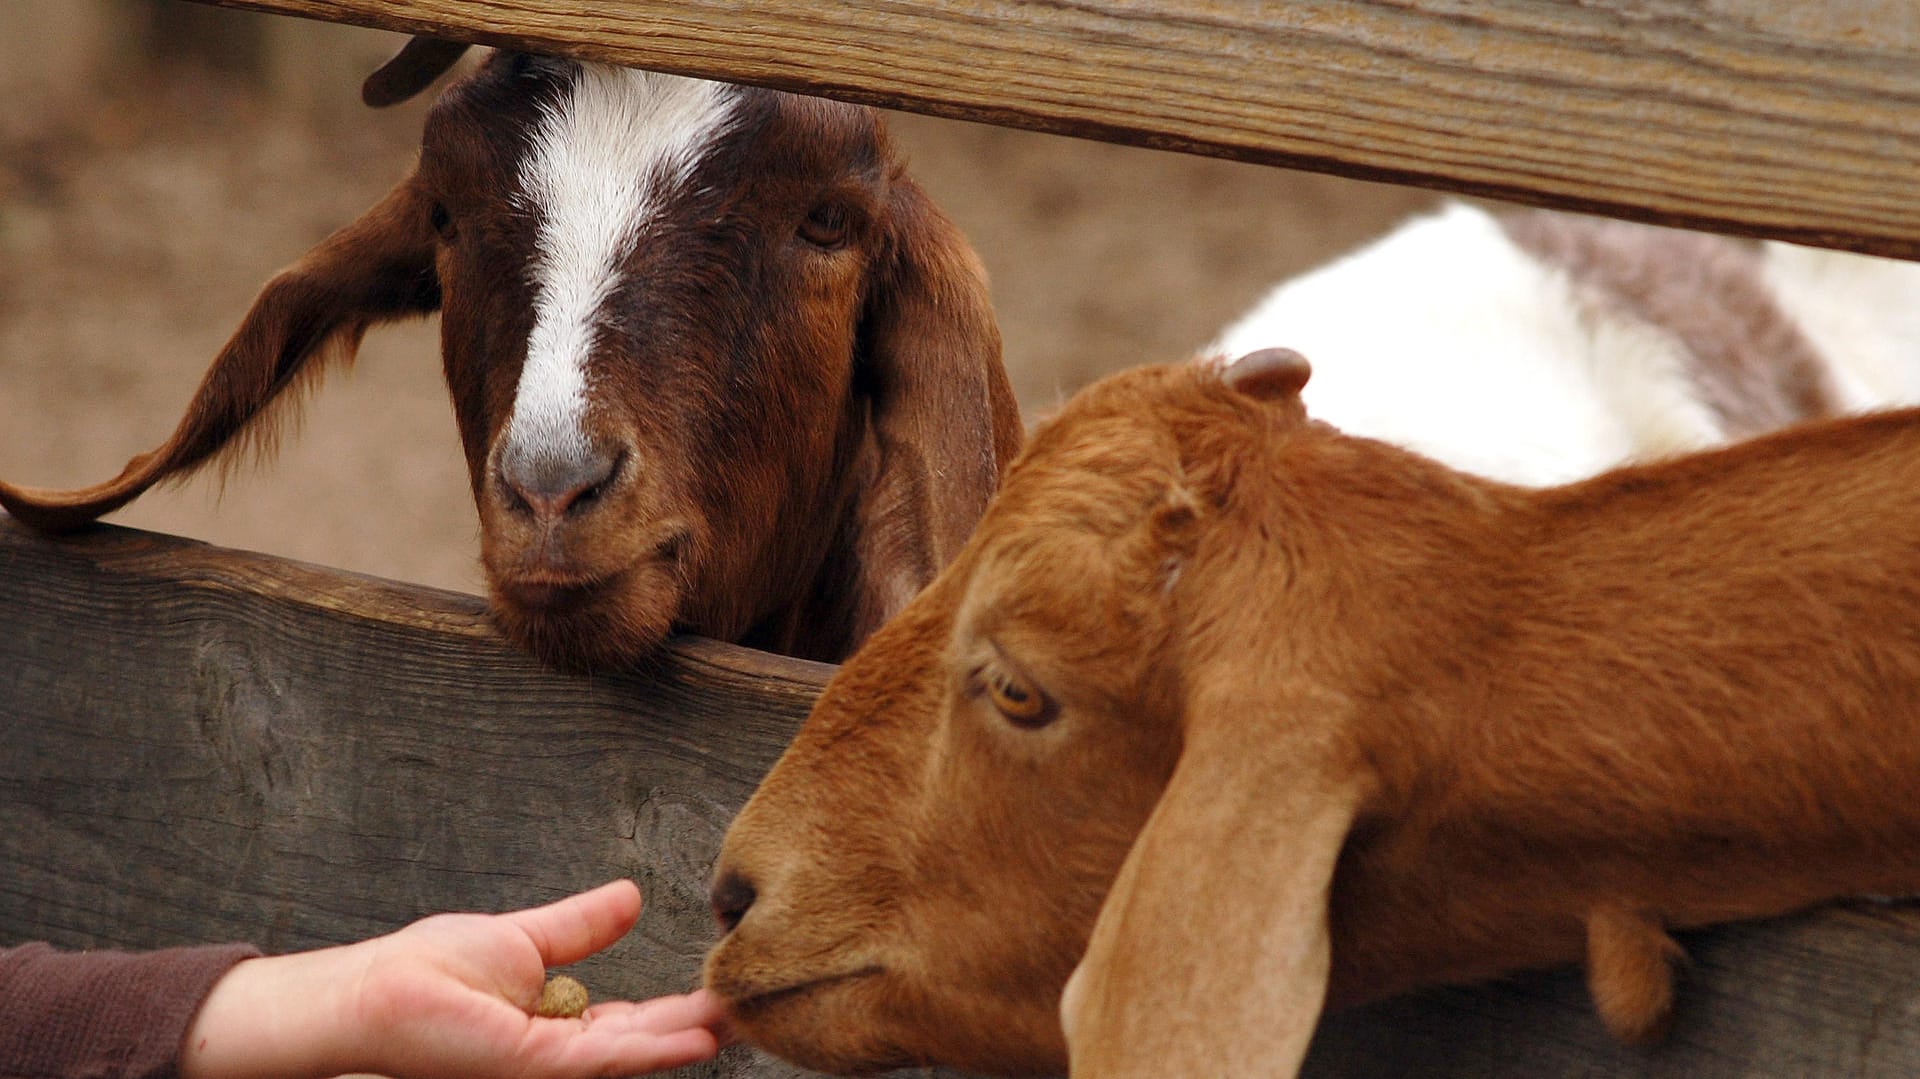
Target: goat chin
pixel 606 625
pixel 865 1022
pixel 808 1027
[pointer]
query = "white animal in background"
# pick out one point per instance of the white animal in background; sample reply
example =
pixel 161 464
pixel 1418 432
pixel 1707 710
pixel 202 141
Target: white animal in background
pixel 1539 347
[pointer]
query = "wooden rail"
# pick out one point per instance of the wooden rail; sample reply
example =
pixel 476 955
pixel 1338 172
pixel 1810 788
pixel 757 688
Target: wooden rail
pixel 1798 121
pixel 203 744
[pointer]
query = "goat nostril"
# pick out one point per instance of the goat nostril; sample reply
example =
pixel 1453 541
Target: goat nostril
pixel 732 896
pixel 516 502
pixel 550 485
pixel 591 493
pixel 674 546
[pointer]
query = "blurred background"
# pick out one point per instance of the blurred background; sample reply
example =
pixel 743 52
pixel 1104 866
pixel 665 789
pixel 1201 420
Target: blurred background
pixel 159 160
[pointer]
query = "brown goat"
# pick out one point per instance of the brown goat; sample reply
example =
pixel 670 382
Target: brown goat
pixel 717 363
pixel 1234 712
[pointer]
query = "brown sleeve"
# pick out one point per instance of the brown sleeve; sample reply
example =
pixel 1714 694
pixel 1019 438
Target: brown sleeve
pixel 103 1015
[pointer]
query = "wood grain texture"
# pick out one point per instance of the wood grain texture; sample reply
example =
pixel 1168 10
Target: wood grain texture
pixel 1828 994
pixel 1797 121
pixel 201 744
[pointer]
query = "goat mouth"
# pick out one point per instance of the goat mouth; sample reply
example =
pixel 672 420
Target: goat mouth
pixel 550 595
pixel 554 593
pixel 600 624
pixel 760 1002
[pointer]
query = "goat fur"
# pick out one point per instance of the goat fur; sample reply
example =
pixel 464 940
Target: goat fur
pixel 1541 348
pixel 1323 719
pixel 791 406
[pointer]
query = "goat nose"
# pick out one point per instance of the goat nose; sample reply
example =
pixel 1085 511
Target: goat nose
pixel 549 484
pixel 732 896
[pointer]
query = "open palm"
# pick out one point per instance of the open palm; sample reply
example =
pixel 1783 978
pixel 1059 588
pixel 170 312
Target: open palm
pixel 452 996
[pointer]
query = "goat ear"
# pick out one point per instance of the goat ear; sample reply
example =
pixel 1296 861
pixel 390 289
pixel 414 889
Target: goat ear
pixel 377 269
pixel 944 417
pixel 1176 981
pixel 1269 374
pixel 420 61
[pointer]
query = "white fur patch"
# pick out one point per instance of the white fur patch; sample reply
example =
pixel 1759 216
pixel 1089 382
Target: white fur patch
pixel 1861 312
pixel 1447 339
pixel 603 157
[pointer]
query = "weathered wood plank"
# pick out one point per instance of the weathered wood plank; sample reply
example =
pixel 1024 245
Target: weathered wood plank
pixel 1798 121
pixel 1829 994
pixel 201 744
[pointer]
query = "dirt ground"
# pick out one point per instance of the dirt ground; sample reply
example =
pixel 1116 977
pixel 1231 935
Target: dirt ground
pixel 140 213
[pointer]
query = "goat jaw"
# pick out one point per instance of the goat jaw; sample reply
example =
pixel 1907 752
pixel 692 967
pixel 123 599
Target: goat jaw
pixel 857 1017
pixel 822 1022
pixel 592 623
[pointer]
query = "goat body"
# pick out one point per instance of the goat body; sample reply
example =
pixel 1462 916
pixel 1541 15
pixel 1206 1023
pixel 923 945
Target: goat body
pixel 717 363
pixel 1541 348
pixel 1239 713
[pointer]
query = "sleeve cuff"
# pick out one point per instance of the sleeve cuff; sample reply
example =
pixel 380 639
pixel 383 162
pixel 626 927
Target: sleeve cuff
pixel 104 1014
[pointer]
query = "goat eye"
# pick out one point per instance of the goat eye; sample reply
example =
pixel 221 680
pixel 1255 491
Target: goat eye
pixel 441 221
pixel 828 226
pixel 1022 703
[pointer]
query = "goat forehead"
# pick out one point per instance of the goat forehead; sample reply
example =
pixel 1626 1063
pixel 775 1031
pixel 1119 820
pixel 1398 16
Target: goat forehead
pixel 1053 597
pixel 604 159
pixel 893 684
pixel 1100 491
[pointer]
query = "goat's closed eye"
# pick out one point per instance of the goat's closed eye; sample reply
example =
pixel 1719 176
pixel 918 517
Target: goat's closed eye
pixel 441 220
pixel 828 226
pixel 1020 701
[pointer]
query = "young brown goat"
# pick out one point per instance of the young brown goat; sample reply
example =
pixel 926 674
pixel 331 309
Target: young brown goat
pixel 717 363
pixel 1235 712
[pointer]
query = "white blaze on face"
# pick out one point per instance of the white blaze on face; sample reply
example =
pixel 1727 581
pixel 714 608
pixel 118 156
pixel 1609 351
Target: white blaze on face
pixel 602 160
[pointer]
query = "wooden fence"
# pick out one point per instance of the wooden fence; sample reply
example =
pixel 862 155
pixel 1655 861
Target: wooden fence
pixel 1795 120
pixel 202 744
pixel 205 744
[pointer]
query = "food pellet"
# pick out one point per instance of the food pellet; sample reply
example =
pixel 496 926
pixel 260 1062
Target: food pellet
pixel 562 998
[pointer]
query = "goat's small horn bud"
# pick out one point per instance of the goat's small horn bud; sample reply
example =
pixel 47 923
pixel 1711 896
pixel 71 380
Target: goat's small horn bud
pixel 412 69
pixel 1269 373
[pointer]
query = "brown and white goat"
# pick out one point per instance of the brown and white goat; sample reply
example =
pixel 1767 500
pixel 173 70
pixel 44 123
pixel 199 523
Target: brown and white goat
pixel 1540 348
pixel 717 363
pixel 1235 712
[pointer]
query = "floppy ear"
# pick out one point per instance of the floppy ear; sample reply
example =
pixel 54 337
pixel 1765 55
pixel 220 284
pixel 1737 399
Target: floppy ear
pixel 944 416
pixel 379 268
pixel 1211 953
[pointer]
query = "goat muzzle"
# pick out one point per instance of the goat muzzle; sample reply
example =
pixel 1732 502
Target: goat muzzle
pixel 551 486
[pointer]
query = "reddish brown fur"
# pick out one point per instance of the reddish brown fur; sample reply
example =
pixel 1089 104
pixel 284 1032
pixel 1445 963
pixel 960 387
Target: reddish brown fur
pixel 1330 717
pixel 808 431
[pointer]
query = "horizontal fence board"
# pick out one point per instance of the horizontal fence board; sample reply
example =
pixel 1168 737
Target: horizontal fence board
pixel 1796 121
pixel 1835 993
pixel 201 744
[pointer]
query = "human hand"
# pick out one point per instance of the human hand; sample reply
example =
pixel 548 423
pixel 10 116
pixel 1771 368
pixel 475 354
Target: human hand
pixel 449 996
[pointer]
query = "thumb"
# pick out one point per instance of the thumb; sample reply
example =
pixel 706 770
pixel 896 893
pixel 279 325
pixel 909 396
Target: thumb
pixel 580 925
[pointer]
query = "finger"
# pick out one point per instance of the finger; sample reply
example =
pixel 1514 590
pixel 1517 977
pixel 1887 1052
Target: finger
pixel 655 1052
pixel 580 925
pixel 562 1048
pixel 721 1022
pixel 697 1010
pixel 677 1050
